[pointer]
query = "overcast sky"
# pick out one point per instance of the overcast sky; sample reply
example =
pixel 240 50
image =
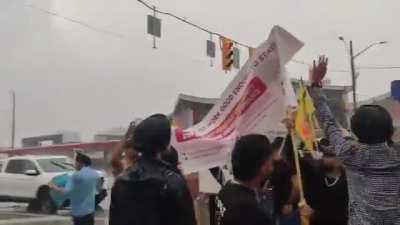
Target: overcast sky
pixel 69 77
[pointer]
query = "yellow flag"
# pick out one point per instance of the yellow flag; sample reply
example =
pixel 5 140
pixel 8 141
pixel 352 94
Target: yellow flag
pixel 304 123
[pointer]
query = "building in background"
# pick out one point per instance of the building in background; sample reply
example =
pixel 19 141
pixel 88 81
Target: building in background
pixel 337 100
pixel 64 137
pixel 190 110
pixel 110 135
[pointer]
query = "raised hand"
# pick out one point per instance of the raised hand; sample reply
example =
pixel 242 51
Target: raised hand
pixel 116 157
pixel 319 70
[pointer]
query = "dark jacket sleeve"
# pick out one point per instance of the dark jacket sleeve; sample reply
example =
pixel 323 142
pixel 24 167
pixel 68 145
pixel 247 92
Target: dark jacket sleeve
pixel 288 154
pixel 281 182
pixel 116 212
pixel 246 213
pixel 311 174
pixel 180 201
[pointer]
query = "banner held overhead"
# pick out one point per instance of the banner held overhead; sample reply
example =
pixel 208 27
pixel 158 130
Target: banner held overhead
pixel 254 102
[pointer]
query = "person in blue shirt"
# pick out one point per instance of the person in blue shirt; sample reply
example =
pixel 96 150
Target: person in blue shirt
pixel 81 190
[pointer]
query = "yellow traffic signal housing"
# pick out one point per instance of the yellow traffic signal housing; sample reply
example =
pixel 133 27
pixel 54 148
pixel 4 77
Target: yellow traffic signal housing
pixel 227 54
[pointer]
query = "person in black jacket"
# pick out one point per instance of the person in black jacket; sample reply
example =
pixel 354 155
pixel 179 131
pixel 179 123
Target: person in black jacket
pixel 240 199
pixel 172 158
pixel 151 192
pixel 285 194
pixel 325 187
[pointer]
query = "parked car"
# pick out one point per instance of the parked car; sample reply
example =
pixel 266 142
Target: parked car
pixel 26 178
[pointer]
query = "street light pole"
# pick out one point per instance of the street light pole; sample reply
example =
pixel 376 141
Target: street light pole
pixel 13 121
pixel 352 66
pixel 353 76
pixel 368 47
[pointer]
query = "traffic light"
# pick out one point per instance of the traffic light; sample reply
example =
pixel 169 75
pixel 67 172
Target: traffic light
pixel 227 54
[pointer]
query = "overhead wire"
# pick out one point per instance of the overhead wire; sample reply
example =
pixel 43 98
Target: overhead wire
pixel 81 23
pixel 378 67
pixel 184 20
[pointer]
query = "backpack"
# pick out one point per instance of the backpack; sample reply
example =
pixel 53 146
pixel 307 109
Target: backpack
pixel 141 202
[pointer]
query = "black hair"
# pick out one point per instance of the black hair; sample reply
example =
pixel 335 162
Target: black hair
pixel 152 135
pixel 324 142
pixel 83 159
pixel 248 155
pixel 325 147
pixel 372 124
pixel 277 143
pixel 171 157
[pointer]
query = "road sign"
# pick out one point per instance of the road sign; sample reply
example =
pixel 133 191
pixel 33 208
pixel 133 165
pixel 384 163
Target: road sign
pixel 210 49
pixel 154 26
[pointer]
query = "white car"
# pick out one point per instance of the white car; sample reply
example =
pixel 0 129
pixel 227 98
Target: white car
pixel 23 177
pixel 26 179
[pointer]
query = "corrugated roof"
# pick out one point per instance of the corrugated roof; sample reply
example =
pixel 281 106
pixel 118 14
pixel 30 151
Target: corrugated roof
pixel 193 98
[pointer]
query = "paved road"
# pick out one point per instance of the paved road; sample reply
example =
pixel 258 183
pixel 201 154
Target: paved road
pixel 10 212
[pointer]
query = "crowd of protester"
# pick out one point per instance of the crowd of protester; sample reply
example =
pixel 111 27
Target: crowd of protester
pixel 347 180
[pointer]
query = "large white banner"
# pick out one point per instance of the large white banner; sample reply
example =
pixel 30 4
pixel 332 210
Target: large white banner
pixel 254 102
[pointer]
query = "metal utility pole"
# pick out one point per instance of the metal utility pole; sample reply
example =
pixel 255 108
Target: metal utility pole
pixel 352 66
pixel 154 37
pixel 353 76
pixel 13 121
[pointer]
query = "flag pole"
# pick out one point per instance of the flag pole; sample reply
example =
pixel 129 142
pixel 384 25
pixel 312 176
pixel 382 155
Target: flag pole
pixel 304 219
pixel 298 169
pixel 282 146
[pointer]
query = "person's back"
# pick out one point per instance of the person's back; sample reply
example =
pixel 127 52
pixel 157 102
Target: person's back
pixel 372 166
pixel 374 183
pixel 150 193
pixel 83 192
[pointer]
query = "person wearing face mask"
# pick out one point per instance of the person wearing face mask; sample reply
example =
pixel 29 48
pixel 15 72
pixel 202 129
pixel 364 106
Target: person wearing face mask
pixel 326 188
